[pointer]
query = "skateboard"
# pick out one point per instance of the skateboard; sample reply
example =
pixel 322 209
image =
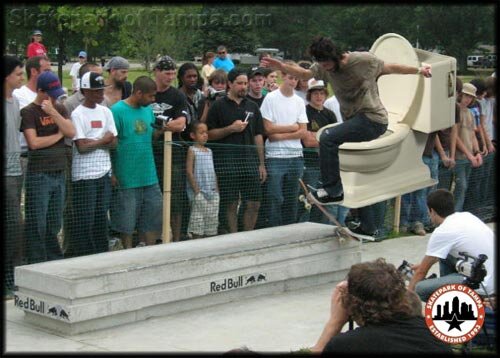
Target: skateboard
pixel 341 232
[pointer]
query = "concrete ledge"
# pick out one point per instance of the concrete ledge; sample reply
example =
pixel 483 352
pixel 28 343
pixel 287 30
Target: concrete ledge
pixel 98 291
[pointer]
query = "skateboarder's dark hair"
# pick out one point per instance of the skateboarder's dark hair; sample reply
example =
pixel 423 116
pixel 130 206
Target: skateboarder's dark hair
pixel 323 49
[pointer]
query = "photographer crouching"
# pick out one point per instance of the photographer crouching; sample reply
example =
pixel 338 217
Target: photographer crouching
pixel 463 245
pixel 389 316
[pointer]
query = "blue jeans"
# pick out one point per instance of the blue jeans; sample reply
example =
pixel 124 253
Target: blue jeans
pixel 12 226
pixel 91 200
pixel 372 217
pixel 462 172
pixel 356 129
pixel 43 208
pixel 447 275
pixel 414 205
pixel 311 176
pixel 283 189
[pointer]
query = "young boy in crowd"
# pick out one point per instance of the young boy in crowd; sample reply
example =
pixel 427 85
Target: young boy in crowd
pixel 202 189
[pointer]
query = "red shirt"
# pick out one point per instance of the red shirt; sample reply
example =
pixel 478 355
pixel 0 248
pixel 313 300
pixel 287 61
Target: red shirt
pixel 36 49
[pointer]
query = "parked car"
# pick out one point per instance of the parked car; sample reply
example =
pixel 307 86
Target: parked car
pixel 474 60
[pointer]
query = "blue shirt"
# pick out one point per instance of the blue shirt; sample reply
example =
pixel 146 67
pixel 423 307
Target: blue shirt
pixel 224 64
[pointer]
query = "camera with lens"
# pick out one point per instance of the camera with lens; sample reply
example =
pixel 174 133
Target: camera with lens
pixel 214 94
pixel 407 272
pixel 472 268
pixel 160 121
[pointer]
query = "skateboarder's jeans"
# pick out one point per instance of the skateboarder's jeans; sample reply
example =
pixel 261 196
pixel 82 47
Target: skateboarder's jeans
pixel 356 129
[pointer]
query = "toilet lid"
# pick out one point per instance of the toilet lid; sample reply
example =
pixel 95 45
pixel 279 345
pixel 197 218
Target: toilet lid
pixel 397 92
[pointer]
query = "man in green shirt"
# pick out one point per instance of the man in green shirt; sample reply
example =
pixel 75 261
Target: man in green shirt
pixel 138 198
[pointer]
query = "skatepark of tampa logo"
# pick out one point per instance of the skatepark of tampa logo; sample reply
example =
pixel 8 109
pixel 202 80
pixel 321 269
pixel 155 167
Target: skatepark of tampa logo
pixel 454 313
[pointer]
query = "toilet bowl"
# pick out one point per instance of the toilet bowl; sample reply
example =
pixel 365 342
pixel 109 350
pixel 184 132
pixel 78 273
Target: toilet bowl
pixel 391 165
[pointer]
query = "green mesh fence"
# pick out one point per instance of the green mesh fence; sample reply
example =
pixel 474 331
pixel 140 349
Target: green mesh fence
pixel 49 216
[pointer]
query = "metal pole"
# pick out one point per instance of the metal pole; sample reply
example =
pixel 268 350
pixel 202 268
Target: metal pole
pixel 167 185
pixel 397 213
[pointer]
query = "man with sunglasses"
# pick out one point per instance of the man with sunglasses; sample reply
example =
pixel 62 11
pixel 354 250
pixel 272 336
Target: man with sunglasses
pixel 223 61
pixel 353 77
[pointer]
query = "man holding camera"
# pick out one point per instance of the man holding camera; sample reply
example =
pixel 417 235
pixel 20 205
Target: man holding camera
pixel 388 315
pixel 456 233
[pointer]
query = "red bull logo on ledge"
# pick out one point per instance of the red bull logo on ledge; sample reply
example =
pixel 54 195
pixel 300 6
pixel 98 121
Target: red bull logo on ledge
pixel 237 282
pixel 40 307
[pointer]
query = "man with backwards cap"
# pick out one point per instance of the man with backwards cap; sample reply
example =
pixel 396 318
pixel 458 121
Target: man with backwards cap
pixel 45 124
pixel 117 86
pixel 73 73
pixel 256 81
pixel 170 103
pixel 95 136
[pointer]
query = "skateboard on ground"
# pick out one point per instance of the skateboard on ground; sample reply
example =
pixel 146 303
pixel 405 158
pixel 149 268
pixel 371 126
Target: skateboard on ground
pixel 341 232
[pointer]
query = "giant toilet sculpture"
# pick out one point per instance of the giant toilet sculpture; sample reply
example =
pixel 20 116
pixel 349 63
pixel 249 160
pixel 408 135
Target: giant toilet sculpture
pixel 92 292
pixel 392 165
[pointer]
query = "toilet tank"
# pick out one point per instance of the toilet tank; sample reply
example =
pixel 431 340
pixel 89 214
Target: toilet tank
pixel 425 104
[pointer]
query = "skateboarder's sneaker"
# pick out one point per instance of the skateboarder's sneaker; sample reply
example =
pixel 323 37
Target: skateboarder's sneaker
pixel 357 231
pixel 321 197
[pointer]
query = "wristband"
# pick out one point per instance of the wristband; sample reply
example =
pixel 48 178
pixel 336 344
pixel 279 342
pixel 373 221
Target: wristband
pixel 419 70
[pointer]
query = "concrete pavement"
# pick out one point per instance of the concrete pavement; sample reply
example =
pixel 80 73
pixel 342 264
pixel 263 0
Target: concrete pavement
pixel 284 322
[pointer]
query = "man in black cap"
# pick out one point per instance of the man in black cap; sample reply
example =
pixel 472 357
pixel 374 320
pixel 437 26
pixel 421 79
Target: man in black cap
pixel 170 109
pixel 256 80
pixel 240 169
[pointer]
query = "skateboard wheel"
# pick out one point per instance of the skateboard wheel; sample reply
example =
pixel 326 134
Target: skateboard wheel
pixel 302 197
pixel 307 206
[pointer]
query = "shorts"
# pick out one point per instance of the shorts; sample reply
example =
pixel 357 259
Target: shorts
pixel 137 208
pixel 244 181
pixel 204 219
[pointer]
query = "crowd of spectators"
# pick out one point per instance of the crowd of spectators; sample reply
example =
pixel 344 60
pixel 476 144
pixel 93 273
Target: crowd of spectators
pixel 241 141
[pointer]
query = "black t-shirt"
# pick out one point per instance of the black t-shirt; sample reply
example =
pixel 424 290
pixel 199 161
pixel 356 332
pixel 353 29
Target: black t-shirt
pixel 223 113
pixel 171 103
pixel 401 336
pixel 48 159
pixel 317 119
pixel 256 100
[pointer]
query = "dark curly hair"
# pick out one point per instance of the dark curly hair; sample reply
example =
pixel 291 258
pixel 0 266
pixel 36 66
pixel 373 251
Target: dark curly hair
pixel 376 293
pixel 323 49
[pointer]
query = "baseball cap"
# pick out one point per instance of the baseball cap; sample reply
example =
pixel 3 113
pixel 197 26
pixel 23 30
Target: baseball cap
pixel 313 84
pixel 92 81
pixel 164 63
pixel 235 72
pixel 82 54
pixel 37 32
pixel 254 71
pixel 118 63
pixel 49 82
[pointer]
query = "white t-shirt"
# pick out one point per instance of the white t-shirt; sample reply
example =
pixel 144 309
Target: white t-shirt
pixel 282 110
pixel 91 123
pixel 24 96
pixel 490 103
pixel 464 232
pixel 303 95
pixel 74 75
pixel 333 105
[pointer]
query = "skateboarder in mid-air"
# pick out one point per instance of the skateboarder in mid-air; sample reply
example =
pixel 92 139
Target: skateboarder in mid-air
pixel 353 77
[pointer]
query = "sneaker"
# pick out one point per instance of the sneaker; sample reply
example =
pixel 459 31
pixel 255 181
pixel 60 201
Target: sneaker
pixel 115 244
pixel 403 229
pixel 321 197
pixel 140 244
pixel 357 231
pixel 418 228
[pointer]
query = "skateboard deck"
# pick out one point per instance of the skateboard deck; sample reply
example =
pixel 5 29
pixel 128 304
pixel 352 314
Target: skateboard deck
pixel 340 231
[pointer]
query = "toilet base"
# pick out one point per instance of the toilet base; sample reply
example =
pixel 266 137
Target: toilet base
pixel 405 174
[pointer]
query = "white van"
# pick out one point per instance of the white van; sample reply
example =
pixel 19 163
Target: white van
pixel 474 61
